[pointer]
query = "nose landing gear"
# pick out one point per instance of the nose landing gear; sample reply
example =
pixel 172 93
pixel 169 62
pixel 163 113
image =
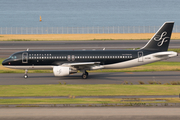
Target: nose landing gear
pixel 25 75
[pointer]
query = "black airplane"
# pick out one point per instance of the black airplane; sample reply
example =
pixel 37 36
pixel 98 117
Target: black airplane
pixel 65 63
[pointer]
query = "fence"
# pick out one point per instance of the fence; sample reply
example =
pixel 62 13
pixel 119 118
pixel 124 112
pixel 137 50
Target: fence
pixel 81 30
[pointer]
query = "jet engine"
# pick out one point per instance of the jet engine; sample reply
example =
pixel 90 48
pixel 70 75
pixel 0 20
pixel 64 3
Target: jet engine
pixel 63 71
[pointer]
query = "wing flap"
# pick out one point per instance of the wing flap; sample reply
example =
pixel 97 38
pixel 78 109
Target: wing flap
pixel 82 64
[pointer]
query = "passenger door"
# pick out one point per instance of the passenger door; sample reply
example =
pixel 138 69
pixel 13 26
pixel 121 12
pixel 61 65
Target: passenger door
pixel 24 57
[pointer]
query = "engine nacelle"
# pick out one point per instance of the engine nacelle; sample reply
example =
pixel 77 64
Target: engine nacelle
pixel 63 71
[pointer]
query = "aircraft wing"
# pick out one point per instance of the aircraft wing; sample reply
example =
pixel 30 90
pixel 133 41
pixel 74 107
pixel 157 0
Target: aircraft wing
pixel 84 65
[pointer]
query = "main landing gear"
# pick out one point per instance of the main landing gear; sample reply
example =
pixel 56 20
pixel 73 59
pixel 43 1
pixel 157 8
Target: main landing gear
pixel 25 75
pixel 85 75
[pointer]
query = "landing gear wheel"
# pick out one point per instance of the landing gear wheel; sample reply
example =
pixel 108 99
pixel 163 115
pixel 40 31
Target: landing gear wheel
pixel 25 76
pixel 85 75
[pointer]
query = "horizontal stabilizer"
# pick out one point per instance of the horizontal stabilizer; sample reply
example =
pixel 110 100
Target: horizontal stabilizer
pixel 163 54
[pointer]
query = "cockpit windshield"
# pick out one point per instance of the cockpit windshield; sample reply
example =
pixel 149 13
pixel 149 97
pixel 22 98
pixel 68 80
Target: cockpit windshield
pixel 13 57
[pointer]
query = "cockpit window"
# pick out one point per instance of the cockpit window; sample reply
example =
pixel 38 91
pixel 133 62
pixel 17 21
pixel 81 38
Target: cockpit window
pixel 13 57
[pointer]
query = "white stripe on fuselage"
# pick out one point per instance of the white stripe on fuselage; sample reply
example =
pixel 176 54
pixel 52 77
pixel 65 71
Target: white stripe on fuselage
pixel 130 63
pixel 30 67
pixel 146 59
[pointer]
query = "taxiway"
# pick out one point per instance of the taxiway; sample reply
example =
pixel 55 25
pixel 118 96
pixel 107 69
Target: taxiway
pixel 94 78
pixel 89 113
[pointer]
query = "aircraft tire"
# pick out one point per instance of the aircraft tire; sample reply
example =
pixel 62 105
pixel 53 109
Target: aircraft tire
pixel 25 76
pixel 85 75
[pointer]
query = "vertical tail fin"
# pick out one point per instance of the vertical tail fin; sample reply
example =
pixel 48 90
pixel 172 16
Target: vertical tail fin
pixel 160 41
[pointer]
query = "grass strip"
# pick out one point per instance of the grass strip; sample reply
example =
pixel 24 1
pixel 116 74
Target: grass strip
pixel 49 37
pixel 88 90
pixel 175 50
pixel 89 101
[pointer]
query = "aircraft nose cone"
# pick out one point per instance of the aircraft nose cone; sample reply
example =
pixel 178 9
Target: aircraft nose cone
pixel 4 62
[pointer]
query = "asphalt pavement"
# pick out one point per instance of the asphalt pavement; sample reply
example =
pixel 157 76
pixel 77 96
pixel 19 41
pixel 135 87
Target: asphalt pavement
pixel 94 78
pixel 9 47
pixel 89 113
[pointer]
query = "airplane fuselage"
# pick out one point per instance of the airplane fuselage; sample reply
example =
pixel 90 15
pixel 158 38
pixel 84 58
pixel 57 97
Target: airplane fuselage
pixel 107 58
